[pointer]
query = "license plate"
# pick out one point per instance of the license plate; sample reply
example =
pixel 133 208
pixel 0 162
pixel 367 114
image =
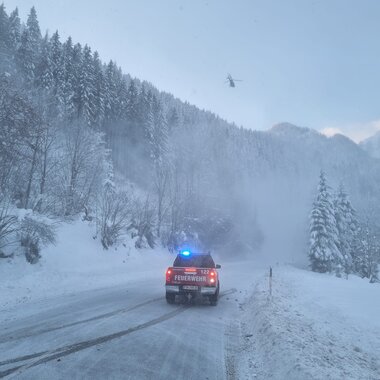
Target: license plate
pixel 190 287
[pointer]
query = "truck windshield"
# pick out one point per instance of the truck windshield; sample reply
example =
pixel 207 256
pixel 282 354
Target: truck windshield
pixel 199 261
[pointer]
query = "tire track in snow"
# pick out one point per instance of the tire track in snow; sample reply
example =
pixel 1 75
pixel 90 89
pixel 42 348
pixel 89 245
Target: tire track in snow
pixel 20 334
pixel 48 356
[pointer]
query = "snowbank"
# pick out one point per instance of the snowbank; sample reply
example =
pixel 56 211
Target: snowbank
pixel 76 263
pixel 313 327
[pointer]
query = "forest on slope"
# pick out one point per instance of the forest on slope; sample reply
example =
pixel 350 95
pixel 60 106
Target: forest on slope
pixel 79 136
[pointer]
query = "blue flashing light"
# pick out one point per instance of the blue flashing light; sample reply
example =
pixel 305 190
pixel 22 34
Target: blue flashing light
pixel 185 253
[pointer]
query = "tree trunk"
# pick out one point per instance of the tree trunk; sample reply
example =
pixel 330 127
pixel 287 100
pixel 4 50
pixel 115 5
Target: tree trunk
pixel 31 174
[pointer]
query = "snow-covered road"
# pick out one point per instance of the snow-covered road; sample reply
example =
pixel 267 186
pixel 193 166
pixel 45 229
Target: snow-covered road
pixel 314 326
pixel 125 331
pixel 85 313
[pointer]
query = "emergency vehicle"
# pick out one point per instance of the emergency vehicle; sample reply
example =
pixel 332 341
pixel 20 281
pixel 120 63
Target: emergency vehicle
pixel 193 275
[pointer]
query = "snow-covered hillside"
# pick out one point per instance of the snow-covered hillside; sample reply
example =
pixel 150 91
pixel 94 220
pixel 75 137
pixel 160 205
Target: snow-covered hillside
pixel 76 263
pixel 372 145
pixel 71 123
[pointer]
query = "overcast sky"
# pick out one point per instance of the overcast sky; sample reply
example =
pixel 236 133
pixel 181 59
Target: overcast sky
pixel 311 63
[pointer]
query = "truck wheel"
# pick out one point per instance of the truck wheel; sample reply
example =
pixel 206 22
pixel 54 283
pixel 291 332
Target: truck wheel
pixel 170 298
pixel 214 298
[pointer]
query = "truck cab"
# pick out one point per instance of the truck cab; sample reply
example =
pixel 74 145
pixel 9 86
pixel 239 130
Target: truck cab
pixel 193 275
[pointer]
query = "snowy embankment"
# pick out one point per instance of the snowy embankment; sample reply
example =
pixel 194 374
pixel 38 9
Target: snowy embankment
pixel 76 263
pixel 313 327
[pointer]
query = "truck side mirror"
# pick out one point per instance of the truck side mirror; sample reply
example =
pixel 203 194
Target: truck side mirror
pixel 218 266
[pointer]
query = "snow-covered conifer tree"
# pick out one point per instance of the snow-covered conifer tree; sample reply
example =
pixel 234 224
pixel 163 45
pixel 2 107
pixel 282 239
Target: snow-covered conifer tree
pixel 99 90
pixel 323 254
pixel 132 108
pixel 33 27
pixel 367 250
pixel 77 59
pixel 109 92
pixel 4 38
pixel 87 89
pixel 172 119
pixel 29 48
pixel 159 157
pixel 44 75
pixel 67 108
pixel 14 30
pixel 57 68
pixel 347 225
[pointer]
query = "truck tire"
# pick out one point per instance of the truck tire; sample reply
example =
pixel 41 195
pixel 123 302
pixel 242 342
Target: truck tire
pixel 170 298
pixel 214 298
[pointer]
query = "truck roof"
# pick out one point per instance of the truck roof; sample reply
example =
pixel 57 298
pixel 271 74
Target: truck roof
pixel 195 260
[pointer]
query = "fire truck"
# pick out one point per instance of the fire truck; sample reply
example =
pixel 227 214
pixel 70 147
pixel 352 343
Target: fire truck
pixel 192 276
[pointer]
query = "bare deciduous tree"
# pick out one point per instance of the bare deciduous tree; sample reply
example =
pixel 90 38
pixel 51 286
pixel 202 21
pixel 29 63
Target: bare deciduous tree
pixel 143 222
pixel 114 216
pixel 82 167
pixel 8 223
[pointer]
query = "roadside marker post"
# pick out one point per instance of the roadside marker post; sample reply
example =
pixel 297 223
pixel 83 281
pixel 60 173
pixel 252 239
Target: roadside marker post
pixel 270 281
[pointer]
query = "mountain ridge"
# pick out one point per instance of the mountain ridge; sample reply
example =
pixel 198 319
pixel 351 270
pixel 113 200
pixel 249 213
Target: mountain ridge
pixel 372 145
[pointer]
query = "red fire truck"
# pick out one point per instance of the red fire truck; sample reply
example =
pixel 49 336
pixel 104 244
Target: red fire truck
pixel 193 275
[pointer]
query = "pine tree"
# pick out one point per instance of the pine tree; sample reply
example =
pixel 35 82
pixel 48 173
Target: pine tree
pixel 173 119
pixel 44 76
pixel 33 27
pixel 67 108
pixel 109 92
pixel 145 124
pixel 143 106
pixel 324 254
pixel 26 58
pixel 132 103
pixel 56 67
pixel 347 225
pixel 30 46
pixel 4 34
pixel 366 258
pixel 99 90
pixel 134 130
pixel 14 30
pixel 87 87
pixel 121 100
pixel 375 260
pixel 145 118
pixel 159 134
pixel 77 59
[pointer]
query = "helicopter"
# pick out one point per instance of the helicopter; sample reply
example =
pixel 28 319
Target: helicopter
pixel 232 81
